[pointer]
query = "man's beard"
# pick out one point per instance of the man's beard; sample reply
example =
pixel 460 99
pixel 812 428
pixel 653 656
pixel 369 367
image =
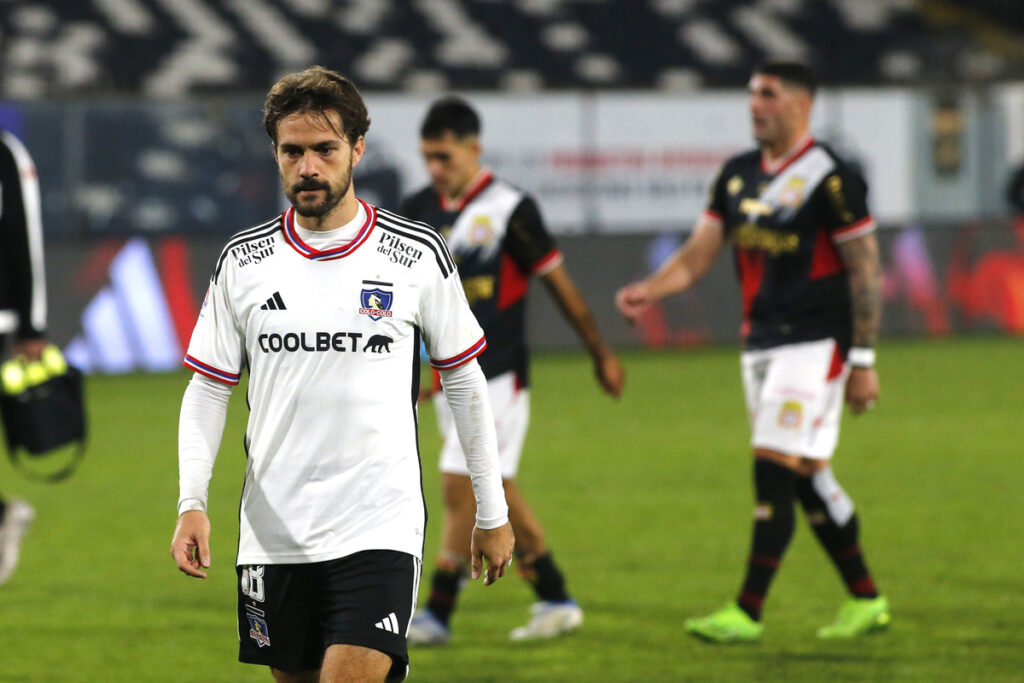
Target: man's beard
pixel 331 196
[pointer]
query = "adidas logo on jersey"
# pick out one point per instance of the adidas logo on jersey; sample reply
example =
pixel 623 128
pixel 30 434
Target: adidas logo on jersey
pixel 388 623
pixel 274 303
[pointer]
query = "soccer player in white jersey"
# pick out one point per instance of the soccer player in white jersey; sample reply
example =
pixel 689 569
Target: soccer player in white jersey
pixel 325 306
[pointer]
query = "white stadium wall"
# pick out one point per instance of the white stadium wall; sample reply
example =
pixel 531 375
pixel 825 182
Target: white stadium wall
pixel 636 162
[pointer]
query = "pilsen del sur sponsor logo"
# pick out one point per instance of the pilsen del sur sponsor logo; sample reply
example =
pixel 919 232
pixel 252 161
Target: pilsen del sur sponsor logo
pixel 253 252
pixel 399 251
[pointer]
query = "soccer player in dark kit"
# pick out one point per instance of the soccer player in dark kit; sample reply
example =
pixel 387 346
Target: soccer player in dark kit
pixel 805 251
pixel 499 240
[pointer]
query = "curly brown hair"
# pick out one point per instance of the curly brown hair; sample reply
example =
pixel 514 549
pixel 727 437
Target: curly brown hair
pixel 317 91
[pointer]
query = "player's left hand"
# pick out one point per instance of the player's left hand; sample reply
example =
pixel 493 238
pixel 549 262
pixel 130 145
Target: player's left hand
pixel 494 545
pixel 610 374
pixel 190 546
pixel 862 389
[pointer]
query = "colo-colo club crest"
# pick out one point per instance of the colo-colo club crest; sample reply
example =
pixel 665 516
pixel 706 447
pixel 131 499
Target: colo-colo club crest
pixel 374 301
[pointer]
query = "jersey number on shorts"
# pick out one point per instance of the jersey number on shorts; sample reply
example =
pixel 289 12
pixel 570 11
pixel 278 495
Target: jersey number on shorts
pixel 252 583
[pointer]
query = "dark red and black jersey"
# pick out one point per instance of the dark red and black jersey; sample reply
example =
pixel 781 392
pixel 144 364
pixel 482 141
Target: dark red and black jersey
pixel 498 239
pixel 784 222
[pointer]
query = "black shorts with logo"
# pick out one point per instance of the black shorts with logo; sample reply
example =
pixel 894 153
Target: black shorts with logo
pixel 288 614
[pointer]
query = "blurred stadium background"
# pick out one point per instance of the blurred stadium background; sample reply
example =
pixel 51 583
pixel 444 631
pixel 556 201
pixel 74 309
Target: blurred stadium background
pixel 143 117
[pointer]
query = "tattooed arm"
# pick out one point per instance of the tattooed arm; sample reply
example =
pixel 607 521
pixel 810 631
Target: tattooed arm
pixel 860 255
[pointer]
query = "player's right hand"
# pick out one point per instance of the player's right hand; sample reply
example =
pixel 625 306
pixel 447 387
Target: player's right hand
pixel 862 389
pixel 494 545
pixel 190 546
pixel 610 374
pixel 632 300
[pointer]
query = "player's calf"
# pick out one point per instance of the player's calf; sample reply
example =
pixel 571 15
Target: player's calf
pixel 775 487
pixel 450 575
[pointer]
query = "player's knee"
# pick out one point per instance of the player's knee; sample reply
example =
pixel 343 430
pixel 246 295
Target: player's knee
pixel 529 551
pixel 824 499
pixel 809 467
pixel 530 542
pixel 451 561
pixel 524 563
pixel 280 676
pixel 789 461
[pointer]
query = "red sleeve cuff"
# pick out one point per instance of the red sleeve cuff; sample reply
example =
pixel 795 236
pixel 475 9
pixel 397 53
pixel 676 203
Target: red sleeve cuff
pixel 862 227
pixel 711 216
pixel 462 358
pixel 209 371
pixel 549 262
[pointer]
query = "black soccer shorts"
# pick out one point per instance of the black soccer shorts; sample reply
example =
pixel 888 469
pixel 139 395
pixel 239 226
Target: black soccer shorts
pixel 288 614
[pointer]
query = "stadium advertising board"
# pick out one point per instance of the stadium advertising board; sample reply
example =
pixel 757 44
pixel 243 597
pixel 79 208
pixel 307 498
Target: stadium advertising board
pixel 130 305
pixel 614 163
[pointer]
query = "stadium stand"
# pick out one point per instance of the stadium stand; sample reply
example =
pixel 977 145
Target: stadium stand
pixel 168 48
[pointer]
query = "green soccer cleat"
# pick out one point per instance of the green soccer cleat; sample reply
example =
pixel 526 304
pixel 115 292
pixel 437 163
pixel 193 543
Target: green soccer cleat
pixel 858 616
pixel 728 625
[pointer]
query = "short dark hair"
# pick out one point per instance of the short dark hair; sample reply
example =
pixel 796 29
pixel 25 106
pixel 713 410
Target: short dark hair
pixel 793 73
pixel 450 114
pixel 317 91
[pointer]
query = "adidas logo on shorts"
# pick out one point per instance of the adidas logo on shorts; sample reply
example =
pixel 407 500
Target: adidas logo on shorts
pixel 388 623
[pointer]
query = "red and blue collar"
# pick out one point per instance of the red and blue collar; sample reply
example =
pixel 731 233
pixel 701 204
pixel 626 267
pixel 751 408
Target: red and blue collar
pixel 291 236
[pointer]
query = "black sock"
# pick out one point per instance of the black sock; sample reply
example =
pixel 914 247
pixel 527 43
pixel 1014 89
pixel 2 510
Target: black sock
pixel 444 590
pixel 830 512
pixel 546 579
pixel 775 487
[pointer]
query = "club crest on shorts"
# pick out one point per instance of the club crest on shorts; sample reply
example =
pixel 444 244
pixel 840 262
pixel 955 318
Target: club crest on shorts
pixel 791 415
pixel 258 630
pixel 374 301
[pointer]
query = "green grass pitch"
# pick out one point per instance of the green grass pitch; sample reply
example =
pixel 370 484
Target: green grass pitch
pixel 646 503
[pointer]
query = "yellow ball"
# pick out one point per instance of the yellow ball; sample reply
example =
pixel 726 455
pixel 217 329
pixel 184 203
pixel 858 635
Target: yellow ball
pixel 54 361
pixel 13 377
pixel 35 373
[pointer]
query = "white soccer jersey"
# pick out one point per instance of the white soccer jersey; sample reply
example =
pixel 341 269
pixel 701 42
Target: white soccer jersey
pixel 331 340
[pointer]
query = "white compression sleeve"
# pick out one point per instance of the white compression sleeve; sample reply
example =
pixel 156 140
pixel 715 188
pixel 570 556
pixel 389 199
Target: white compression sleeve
pixel 465 389
pixel 204 409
